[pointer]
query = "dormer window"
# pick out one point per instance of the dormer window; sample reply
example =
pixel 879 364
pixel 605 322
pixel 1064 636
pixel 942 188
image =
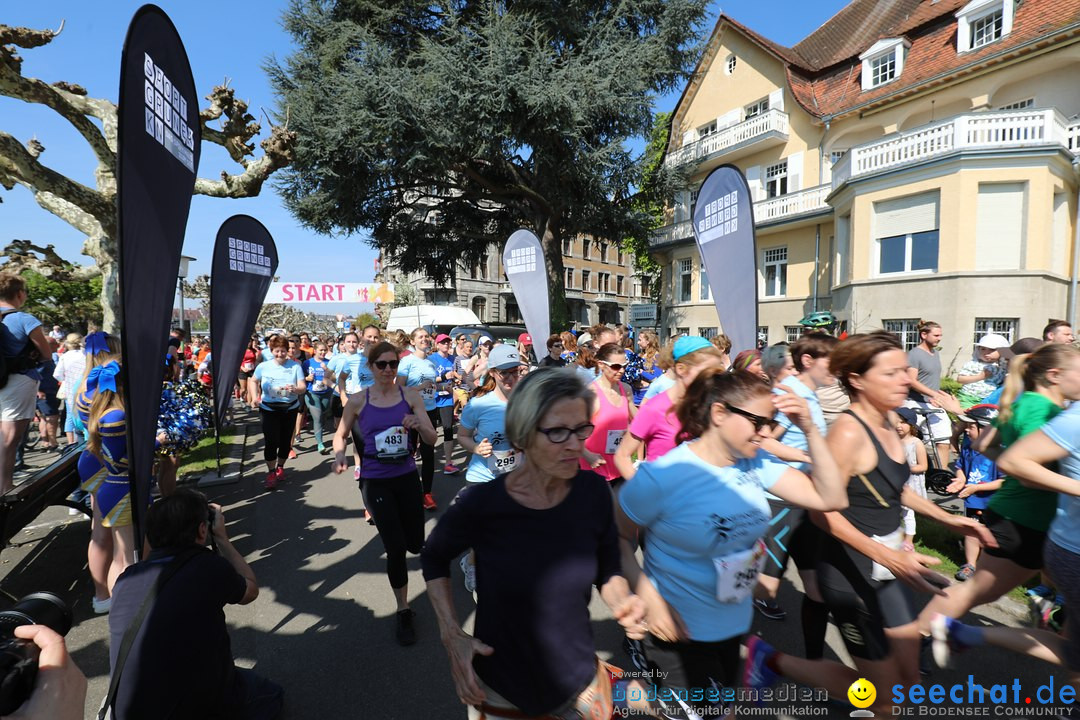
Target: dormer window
pixel 883 62
pixel 981 22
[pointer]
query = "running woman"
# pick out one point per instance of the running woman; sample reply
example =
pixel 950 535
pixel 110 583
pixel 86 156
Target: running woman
pixel 612 412
pixel 444 398
pixel 385 416
pixel 320 395
pixel 279 383
pixel 418 371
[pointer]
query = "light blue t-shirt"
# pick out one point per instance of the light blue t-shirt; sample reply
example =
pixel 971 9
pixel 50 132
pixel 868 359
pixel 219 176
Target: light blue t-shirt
pixel 1065 431
pixel 416 371
pixel 657 386
pixel 19 326
pixel 272 378
pixel 695 512
pixel 354 369
pixel 793 436
pixel 267 354
pixel 485 418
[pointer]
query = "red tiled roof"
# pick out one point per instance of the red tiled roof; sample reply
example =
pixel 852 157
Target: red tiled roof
pixel 824 71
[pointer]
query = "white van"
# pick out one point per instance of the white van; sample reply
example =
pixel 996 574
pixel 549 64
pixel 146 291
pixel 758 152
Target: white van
pixel 434 318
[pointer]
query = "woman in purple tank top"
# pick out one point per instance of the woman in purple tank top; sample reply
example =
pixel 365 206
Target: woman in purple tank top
pixel 382 417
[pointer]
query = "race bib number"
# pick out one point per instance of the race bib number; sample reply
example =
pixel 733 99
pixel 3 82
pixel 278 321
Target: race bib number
pixel 737 573
pixel 281 392
pixel 503 461
pixel 391 444
pixel 894 541
pixel 428 393
pixel 319 386
pixel 614 439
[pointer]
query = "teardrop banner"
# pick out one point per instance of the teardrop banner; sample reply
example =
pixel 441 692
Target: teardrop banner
pixel 724 229
pixel 245 260
pixel 523 260
pixel 158 157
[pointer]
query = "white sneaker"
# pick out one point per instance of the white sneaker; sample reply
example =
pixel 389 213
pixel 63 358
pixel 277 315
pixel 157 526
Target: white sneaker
pixel 101 607
pixel 470 573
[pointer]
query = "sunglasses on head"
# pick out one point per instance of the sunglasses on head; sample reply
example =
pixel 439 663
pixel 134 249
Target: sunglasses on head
pixel 614 366
pixel 758 421
pixel 383 364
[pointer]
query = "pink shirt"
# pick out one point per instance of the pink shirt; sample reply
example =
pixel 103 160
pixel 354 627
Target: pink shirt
pixel 610 423
pixel 656 426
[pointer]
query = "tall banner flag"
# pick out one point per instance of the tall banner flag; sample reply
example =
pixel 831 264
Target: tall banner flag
pixel 724 229
pixel 158 148
pixel 523 259
pixel 245 260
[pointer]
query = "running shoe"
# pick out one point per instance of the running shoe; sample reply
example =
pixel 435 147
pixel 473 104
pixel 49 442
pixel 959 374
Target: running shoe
pixel 769 609
pixel 322 449
pixel 1040 591
pixel 292 454
pixel 470 573
pixel 405 632
pixel 756 672
pixel 965 572
pixel 271 480
pixel 429 502
pixel 101 607
pixel 450 469
pixel 946 641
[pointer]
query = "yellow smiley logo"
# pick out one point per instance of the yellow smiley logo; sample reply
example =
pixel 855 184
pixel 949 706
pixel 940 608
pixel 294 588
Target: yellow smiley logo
pixel 862 693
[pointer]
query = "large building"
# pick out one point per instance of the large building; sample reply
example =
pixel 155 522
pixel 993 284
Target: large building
pixel 910 159
pixel 600 284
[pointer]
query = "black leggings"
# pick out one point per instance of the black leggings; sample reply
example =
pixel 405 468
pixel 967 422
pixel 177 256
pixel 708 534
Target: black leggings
pixel 397 506
pixel 277 427
pixel 427 452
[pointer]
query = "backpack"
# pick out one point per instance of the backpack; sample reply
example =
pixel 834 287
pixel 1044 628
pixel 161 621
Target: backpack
pixel 25 359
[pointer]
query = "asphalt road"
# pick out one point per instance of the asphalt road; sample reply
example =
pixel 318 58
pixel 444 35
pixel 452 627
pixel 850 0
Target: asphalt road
pixel 323 623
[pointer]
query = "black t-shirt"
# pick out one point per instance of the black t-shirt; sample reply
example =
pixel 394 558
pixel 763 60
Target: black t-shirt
pixel 548 361
pixel 181 663
pixel 535 570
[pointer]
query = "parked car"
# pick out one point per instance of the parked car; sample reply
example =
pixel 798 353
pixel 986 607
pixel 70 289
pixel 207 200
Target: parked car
pixel 498 333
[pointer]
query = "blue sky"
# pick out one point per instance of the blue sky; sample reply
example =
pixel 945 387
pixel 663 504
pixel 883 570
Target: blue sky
pixel 231 40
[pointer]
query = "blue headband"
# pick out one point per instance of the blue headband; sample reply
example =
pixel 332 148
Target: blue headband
pixel 97 342
pixel 104 377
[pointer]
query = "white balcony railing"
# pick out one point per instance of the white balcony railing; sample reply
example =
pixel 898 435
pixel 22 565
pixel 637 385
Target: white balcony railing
pixel 974 131
pixel 770 121
pixel 791 205
pixel 668 234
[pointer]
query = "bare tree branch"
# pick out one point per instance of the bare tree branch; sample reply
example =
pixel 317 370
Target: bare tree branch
pixel 18 165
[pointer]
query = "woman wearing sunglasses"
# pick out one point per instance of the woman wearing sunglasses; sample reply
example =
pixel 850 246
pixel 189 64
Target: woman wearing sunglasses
pixel 544 535
pixel 611 414
pixel 384 416
pixel 705 509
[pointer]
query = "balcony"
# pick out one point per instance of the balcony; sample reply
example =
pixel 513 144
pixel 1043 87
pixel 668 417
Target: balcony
pixel 992 131
pixel 768 128
pixel 766 212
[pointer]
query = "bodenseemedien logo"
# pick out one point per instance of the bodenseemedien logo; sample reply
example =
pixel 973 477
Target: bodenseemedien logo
pixel 862 695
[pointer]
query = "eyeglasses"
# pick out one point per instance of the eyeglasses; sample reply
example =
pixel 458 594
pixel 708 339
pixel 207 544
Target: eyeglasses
pixel 559 435
pixel 383 364
pixel 758 421
pixel 556 345
pixel 617 367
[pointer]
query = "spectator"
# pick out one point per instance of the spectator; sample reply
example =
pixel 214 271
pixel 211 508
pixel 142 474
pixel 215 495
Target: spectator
pixel 57 334
pixel 180 664
pixel 48 404
pixel 23 343
pixel 555 351
pixel 69 371
pixel 1058 331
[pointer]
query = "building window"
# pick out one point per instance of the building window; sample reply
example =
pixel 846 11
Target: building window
pixel 603 282
pixel 730 64
pixel 883 69
pixel 1019 105
pixel 619 257
pixel 482 269
pixel 908 253
pixel 706 130
pixel 645 287
pixel 619 284
pixel 603 252
pixel 835 155
pixel 776 179
pixel 763 334
pixel 586 251
pixel 987 29
pixel 585 281
pixel 682 331
pixel 1006 327
pixel 568 247
pixel 682 291
pixel 793 332
pixel 569 278
pixel 774 264
pixel 479 308
pixel 906 331
pixel 708 332
pixel 756 109
pixel 703 281
pixel 513 313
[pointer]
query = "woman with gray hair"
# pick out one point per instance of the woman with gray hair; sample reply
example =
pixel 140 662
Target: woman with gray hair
pixel 543 535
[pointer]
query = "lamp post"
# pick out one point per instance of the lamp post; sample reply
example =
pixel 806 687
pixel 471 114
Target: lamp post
pixel 182 274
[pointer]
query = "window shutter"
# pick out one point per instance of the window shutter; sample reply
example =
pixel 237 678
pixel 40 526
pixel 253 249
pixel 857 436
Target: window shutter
pixel 795 172
pixel 732 117
pixel 999 227
pixel 753 179
pixel 915 213
pixel 776 99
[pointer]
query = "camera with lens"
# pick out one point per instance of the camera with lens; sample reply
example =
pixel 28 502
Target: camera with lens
pixel 19 658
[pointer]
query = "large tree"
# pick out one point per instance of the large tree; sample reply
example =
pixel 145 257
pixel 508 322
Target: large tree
pixel 442 127
pixel 92 210
pixel 60 293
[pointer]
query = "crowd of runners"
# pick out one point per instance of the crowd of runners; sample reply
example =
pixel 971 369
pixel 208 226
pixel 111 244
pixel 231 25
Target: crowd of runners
pixel 676 480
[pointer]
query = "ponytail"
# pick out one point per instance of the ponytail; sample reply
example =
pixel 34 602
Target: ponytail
pixel 1027 373
pixel 486 387
pixel 712 386
pixel 1013 388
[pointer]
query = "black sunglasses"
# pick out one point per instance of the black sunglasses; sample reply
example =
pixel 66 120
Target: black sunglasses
pixel 382 364
pixel 614 366
pixel 559 435
pixel 758 421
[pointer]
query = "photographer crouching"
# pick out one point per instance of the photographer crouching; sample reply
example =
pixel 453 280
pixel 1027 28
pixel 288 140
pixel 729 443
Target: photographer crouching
pixel 169 647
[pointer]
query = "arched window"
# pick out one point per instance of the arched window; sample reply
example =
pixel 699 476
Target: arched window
pixel 479 308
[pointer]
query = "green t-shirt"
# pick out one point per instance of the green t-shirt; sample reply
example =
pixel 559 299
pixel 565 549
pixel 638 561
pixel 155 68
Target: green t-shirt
pixel 1023 505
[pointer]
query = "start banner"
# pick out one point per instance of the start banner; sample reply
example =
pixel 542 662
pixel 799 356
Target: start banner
pixel 292 293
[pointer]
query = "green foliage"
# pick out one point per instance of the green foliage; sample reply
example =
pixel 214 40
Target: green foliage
pixel 60 299
pixel 950 385
pixel 443 128
pixel 649 200
pixel 365 319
